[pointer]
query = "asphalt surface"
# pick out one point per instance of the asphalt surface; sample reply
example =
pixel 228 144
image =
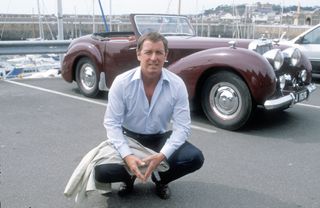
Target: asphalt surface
pixel 47 126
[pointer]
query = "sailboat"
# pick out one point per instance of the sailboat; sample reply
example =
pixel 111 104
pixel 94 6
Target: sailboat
pixel 31 66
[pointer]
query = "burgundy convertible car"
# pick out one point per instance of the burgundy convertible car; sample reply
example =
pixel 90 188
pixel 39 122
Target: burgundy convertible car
pixel 227 78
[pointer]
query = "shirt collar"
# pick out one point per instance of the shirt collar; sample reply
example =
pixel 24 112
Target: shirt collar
pixel 137 74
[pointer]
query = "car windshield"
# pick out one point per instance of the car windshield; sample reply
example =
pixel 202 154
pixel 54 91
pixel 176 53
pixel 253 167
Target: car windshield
pixel 164 24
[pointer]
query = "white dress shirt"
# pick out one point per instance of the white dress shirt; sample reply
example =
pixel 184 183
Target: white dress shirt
pixel 128 106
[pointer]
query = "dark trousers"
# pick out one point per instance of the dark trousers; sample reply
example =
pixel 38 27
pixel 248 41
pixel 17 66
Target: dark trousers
pixel 183 161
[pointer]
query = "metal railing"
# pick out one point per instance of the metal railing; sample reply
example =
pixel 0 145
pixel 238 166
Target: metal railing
pixel 34 47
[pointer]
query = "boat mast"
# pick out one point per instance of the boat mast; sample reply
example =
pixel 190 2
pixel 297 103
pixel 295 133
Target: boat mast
pixel 41 33
pixel 60 27
pixel 60 20
pixel 110 16
pixel 93 18
pixel 103 17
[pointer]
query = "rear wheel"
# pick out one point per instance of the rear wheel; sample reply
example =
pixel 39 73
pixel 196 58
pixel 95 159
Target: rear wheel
pixel 87 77
pixel 226 100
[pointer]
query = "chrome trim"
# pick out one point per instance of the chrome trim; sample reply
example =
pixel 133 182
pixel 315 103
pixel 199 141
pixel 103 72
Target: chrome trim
pixel 311 87
pixel 286 100
pixel 260 46
pixel 225 100
pixel 291 54
pixel 88 76
pixel 232 44
pixel 275 58
pixel 279 102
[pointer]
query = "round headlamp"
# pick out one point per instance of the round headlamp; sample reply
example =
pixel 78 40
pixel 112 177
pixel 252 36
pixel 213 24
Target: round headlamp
pixel 275 58
pixel 293 54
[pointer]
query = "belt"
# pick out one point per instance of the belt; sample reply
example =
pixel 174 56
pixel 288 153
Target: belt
pixel 138 136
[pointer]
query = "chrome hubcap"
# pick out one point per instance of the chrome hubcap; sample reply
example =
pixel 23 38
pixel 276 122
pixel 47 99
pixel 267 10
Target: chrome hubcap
pixel 88 77
pixel 225 100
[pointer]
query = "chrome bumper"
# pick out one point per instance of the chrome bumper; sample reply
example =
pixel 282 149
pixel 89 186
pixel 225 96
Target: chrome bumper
pixel 287 100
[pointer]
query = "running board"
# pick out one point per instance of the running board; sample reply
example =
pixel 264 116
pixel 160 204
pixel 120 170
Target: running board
pixel 102 82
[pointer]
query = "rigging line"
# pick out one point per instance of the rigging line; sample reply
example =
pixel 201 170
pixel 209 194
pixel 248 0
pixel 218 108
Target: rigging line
pixel 168 8
pixel 3 26
pixel 44 8
pixel 5 19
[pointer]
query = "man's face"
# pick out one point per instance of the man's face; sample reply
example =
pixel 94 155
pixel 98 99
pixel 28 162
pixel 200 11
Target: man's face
pixel 152 57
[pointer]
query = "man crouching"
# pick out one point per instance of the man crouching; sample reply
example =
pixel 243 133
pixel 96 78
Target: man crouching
pixel 141 104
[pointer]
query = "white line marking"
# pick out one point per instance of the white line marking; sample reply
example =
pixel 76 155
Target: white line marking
pixel 203 129
pixel 308 105
pixel 57 93
pixel 90 101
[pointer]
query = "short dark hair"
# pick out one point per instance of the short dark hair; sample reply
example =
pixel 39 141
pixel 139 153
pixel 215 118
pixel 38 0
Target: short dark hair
pixel 153 37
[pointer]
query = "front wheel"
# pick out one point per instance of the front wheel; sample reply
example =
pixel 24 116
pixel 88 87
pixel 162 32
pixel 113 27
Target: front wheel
pixel 87 77
pixel 226 100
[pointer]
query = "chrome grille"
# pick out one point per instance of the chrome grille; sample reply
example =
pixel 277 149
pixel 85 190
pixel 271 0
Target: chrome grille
pixel 261 46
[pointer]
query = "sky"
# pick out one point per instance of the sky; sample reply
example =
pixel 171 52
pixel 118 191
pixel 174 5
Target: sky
pixel 114 7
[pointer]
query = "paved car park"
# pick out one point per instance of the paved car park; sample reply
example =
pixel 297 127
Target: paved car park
pixel 46 127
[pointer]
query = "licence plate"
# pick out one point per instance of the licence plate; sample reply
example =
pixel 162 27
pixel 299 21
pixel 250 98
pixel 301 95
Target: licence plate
pixel 300 96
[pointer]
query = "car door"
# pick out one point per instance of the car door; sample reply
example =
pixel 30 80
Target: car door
pixel 310 45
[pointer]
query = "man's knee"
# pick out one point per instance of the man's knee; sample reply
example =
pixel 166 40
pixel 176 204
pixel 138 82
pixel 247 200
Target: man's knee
pixel 107 173
pixel 198 159
pixel 99 173
pixel 190 157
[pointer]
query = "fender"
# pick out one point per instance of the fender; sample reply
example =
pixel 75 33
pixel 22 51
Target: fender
pixel 254 69
pixel 77 51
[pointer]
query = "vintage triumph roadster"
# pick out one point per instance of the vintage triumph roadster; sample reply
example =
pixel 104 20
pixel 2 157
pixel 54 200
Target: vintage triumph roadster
pixel 226 78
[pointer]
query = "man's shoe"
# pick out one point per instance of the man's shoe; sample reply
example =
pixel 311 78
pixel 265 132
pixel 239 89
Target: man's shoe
pixel 163 191
pixel 126 188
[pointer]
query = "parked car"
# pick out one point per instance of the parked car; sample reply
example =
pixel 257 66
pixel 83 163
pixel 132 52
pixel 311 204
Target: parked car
pixel 309 43
pixel 227 78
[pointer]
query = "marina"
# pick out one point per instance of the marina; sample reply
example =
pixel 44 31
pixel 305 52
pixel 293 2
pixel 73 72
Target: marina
pixel 24 27
pixel 29 66
pixel 247 21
